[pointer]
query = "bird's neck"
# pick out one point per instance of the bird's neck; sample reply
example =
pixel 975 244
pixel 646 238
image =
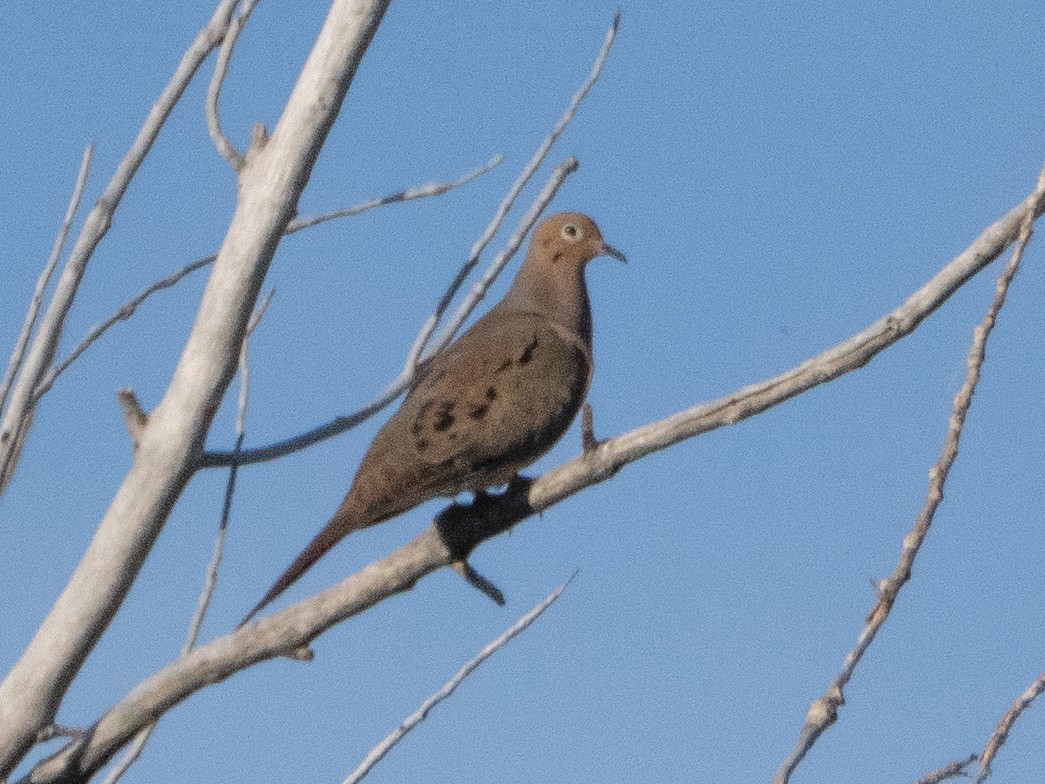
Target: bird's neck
pixel 561 298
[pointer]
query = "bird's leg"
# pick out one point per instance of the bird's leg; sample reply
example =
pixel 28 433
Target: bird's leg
pixel 589 443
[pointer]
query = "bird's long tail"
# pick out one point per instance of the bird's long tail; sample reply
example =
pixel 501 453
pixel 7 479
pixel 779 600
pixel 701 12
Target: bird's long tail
pixel 344 521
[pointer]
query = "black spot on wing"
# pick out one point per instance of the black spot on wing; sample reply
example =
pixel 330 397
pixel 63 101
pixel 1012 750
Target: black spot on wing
pixel 527 354
pixel 418 424
pixel 444 416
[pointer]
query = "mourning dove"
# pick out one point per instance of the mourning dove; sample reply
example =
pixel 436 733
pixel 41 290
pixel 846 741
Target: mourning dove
pixel 494 401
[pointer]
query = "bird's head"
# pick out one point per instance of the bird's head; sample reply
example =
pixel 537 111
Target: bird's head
pixel 570 238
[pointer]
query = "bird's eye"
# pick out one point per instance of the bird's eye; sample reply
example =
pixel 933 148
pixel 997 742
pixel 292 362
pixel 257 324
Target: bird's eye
pixel 571 232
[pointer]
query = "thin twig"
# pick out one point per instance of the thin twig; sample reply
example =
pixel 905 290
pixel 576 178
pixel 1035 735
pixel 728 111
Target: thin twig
pixel 395 389
pixel 410 194
pixel 824 712
pixel 134 416
pixel 298 224
pixel 410 722
pixel 24 397
pixel 125 312
pixel 18 354
pixel 527 173
pixel 1001 732
pixel 221 68
pixel 954 769
pixel 211 581
pixel 559 175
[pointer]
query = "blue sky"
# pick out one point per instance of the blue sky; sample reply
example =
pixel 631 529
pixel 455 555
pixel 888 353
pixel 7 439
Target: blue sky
pixel 780 176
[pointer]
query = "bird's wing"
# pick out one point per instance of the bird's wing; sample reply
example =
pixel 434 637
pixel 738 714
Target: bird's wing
pixel 495 401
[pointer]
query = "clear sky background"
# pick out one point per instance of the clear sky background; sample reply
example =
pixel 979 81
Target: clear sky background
pixel 780 175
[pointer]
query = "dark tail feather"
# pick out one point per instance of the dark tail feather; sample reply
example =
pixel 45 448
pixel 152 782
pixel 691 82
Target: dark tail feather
pixel 340 526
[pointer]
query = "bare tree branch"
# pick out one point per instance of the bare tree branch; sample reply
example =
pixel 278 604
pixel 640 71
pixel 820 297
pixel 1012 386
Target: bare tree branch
pixel 1001 732
pixel 395 389
pixel 298 224
pixel 221 68
pixel 134 417
pixel 410 194
pixel 211 580
pixel 379 752
pixel 949 771
pixel 18 353
pixel 270 186
pixel 459 529
pixel 824 712
pixel 18 417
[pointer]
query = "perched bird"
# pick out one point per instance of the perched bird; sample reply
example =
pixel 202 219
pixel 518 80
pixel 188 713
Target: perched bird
pixel 491 403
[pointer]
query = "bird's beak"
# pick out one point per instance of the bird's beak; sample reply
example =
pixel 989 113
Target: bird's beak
pixel 609 250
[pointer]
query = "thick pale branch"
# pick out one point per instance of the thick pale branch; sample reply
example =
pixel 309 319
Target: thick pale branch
pixel 210 582
pixel 459 529
pixel 18 417
pixel 270 186
pixel 273 637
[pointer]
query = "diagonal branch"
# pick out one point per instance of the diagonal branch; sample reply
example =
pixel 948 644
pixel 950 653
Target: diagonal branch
pixel 210 582
pixel 410 194
pixel 18 417
pixel 459 529
pixel 824 712
pixel 45 277
pixel 381 750
pixel 270 186
pixel 1001 732
pixel 221 68
pixel 480 289
pixel 951 770
pixel 298 224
